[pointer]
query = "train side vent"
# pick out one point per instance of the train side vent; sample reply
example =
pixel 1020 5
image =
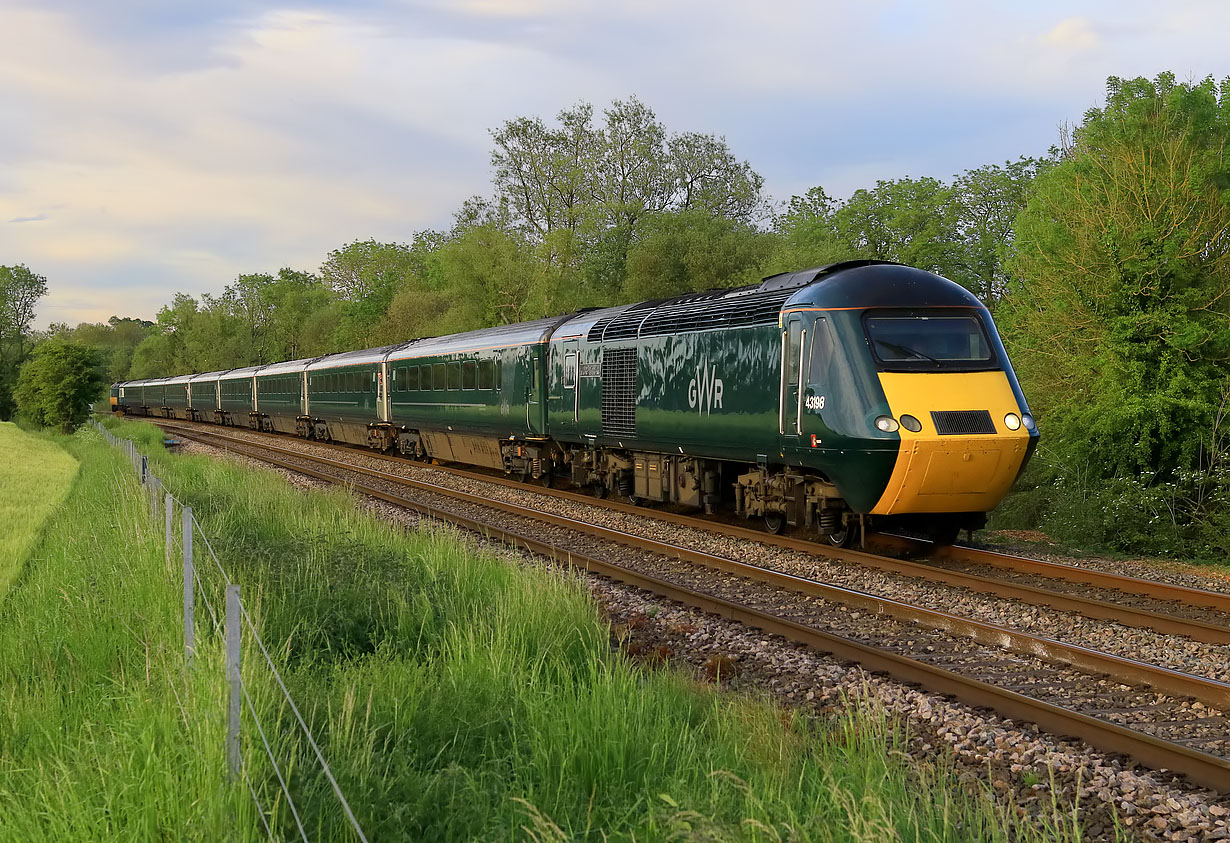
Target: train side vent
pixel 962 422
pixel 619 392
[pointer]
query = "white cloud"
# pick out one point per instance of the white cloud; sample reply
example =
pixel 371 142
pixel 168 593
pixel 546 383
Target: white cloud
pixel 284 134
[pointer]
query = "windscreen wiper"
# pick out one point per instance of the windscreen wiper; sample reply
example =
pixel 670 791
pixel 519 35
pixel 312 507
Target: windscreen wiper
pixel 905 349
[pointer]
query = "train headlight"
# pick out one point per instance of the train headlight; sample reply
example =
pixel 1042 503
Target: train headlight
pixel 910 423
pixel 1012 421
pixel 887 424
pixel 1030 424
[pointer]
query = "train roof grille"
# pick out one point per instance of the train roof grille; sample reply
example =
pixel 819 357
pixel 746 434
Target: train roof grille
pixel 727 312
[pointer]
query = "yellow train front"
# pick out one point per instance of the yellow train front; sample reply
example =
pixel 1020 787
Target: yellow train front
pixel 899 407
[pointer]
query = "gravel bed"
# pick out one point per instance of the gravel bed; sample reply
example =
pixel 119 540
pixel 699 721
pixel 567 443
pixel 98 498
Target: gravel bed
pixel 1020 766
pixel 1176 653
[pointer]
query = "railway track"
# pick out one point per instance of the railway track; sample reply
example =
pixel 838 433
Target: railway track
pixel 1162 718
pixel 1200 615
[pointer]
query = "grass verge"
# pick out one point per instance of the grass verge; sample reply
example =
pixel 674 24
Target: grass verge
pixel 35 476
pixel 459 697
pixel 103 734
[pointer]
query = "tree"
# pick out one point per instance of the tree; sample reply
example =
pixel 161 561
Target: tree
pixel 20 290
pixel 58 383
pixel 580 193
pixel 988 200
pixel 1121 318
pixel 365 276
pixel 688 251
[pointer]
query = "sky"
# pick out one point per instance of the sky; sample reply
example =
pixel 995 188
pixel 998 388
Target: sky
pixel 151 147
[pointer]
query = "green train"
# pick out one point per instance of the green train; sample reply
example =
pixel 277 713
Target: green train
pixel 860 395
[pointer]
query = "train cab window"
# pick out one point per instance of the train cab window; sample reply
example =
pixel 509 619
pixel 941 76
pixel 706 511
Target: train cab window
pixel 469 375
pixel 793 351
pixel 929 341
pixel 486 374
pixel 454 375
pixel 439 376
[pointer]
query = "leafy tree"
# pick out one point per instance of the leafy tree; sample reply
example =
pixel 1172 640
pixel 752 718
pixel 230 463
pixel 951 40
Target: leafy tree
pixel 1121 320
pixel 692 250
pixel 365 276
pixel 580 193
pixel 987 201
pixel 20 290
pixel 58 383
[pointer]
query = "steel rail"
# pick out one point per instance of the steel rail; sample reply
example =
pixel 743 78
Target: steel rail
pixel 1070 573
pixel 1090 607
pixel 1202 768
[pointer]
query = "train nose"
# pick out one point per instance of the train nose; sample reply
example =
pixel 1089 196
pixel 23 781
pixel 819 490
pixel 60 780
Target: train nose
pixel 952 460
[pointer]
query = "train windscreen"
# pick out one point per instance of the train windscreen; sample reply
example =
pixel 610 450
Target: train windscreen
pixel 930 342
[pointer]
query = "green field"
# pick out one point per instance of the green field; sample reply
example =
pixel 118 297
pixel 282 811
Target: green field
pixel 35 476
pixel 459 697
pixel 102 734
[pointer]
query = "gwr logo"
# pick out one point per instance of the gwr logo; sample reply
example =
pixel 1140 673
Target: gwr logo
pixel 705 390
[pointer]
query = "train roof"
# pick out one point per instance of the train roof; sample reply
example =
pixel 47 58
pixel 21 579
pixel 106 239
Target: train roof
pixel 859 284
pixel 349 358
pixel 501 336
pixel 207 376
pixel 245 372
pixel 289 367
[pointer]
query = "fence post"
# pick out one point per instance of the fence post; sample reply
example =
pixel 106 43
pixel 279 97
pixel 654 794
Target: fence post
pixel 169 503
pixel 234 679
pixel 189 630
pixel 144 469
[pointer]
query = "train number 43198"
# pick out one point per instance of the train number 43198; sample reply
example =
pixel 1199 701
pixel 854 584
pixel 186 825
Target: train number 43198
pixel 814 402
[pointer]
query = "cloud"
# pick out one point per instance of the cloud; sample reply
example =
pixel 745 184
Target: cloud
pixel 165 147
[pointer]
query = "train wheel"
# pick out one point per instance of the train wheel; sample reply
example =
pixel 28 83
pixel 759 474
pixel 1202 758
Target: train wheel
pixel 842 538
pixel 547 477
pixel 598 489
pixel 775 522
pixel 944 531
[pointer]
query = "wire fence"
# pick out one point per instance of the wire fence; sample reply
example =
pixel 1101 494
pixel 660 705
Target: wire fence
pixel 228 619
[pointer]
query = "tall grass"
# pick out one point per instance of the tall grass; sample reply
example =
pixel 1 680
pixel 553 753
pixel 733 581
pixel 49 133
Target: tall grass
pixel 103 735
pixel 459 697
pixel 35 476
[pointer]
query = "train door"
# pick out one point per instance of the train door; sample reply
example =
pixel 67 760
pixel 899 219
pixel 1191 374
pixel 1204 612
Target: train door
pixel 790 412
pixel 382 392
pixel 303 393
pixel 534 396
pixel 570 389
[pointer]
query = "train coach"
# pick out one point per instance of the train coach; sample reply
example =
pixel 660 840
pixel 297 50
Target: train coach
pixel 862 394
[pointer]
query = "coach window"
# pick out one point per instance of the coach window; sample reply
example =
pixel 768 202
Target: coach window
pixel 486 374
pixel 570 370
pixel 499 374
pixel 469 375
pixel 412 378
pixel 454 375
pixel 368 378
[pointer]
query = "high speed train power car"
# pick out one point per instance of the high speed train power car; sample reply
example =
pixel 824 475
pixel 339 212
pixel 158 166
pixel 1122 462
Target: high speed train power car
pixel 859 395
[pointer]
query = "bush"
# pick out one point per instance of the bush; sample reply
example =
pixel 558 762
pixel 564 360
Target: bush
pixel 57 384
